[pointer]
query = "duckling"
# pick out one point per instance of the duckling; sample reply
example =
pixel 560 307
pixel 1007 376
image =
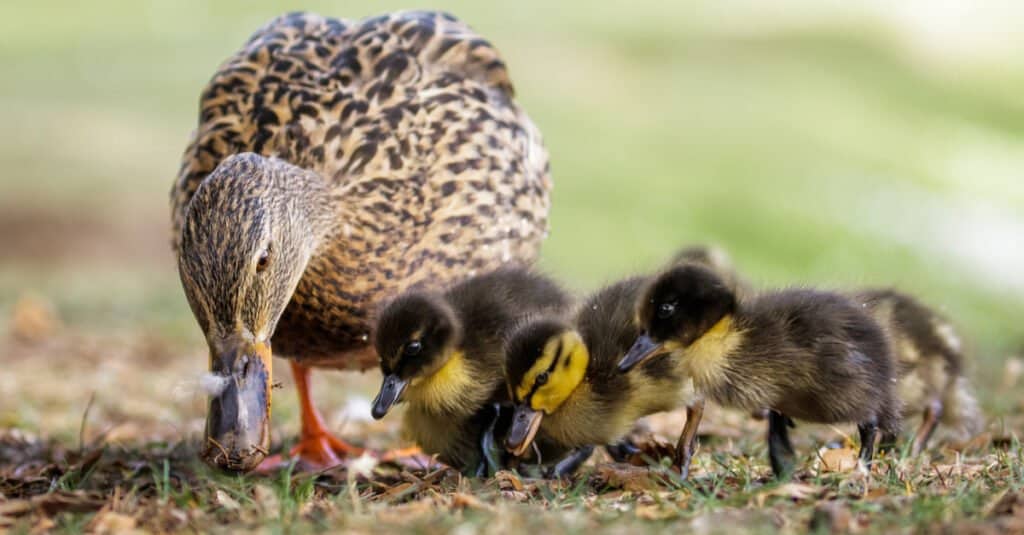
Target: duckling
pixel 930 365
pixel 442 353
pixel 804 354
pixel 563 380
pixel 717 260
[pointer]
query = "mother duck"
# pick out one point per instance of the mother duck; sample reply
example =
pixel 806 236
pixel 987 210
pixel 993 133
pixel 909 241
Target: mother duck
pixel 336 163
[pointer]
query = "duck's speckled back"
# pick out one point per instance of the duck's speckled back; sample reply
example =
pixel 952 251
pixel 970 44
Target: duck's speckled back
pixel 409 118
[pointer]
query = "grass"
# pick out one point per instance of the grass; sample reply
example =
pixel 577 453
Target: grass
pixel 823 147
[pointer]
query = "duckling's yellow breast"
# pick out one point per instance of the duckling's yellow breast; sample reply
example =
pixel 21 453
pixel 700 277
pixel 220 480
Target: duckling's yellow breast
pixel 705 359
pixel 451 389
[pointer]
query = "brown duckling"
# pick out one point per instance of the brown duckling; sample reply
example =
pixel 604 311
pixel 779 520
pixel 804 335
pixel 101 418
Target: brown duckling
pixel 442 353
pixel 930 365
pixel 563 379
pixel 804 354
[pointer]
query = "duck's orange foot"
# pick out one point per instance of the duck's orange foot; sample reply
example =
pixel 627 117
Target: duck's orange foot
pixel 314 452
pixel 410 459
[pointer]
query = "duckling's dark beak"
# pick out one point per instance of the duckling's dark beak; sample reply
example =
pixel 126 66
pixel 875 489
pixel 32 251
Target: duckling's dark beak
pixel 238 420
pixel 390 392
pixel 643 349
pixel 525 423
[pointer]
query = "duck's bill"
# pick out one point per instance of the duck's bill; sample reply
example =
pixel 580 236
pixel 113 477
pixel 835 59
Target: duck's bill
pixel 525 423
pixel 238 421
pixel 643 349
pixel 390 393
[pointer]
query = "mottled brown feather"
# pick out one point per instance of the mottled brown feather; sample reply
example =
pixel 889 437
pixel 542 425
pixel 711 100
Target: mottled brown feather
pixel 409 120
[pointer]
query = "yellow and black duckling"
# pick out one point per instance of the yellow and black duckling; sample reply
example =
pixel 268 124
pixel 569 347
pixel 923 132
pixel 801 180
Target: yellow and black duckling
pixel 804 354
pixel 442 353
pixel 930 365
pixel 564 382
pixel 336 162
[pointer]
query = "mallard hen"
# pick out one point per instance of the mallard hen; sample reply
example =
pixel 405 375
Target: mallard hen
pixel 336 163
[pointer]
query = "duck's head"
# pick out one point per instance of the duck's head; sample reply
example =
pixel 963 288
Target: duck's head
pixel 247 235
pixel 546 361
pixel 676 309
pixel 415 336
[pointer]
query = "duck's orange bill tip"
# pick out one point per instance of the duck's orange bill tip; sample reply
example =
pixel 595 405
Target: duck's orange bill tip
pixel 525 423
pixel 643 348
pixel 238 420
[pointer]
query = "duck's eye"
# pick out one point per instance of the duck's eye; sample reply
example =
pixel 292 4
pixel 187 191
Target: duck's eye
pixel 263 261
pixel 666 310
pixel 541 379
pixel 413 348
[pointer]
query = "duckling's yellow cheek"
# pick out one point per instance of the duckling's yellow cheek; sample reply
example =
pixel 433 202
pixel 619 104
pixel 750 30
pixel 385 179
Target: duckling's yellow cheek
pixel 561 384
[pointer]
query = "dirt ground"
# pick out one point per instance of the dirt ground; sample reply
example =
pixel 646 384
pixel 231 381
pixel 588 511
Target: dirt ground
pixel 115 420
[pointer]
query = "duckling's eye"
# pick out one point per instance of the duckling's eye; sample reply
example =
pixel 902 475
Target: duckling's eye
pixel 413 348
pixel 541 379
pixel 666 310
pixel 263 261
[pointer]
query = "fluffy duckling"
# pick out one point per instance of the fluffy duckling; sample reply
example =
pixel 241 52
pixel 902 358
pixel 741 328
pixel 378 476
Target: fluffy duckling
pixel 930 365
pixel 442 352
pixel 804 354
pixel 563 379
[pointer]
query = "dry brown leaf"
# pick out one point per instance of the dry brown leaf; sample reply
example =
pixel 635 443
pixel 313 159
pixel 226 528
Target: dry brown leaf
pixel 225 500
pixel 627 477
pixel 794 491
pixel 656 512
pixel 110 522
pixel 462 500
pixel 405 512
pixel 52 503
pixel 837 459
pixel 33 319
pixel 44 525
pixel 509 481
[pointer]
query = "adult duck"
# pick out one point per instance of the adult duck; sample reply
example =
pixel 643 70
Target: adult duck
pixel 337 163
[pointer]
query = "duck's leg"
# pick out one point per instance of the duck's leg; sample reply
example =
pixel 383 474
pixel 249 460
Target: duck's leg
pixel 930 421
pixel 868 432
pixel 490 461
pixel 570 463
pixel 317 448
pixel 780 449
pixel 687 444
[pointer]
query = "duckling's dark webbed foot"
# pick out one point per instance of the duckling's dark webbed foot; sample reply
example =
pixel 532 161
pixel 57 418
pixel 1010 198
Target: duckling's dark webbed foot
pixel 492 456
pixel 780 449
pixel 570 463
pixel 623 450
pixel 868 432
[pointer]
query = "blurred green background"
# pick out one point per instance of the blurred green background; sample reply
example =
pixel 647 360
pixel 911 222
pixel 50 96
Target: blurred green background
pixel 842 145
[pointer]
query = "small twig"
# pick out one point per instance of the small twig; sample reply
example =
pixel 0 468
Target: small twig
pixel 939 473
pixel 85 421
pixel 223 451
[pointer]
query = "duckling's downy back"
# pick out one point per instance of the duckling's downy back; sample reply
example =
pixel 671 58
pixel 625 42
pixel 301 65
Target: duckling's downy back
pixel 930 360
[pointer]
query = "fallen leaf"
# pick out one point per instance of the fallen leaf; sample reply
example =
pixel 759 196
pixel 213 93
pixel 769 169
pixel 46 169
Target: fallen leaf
pixel 656 512
pixel 111 522
pixel 33 319
pixel 52 503
pixel 225 500
pixel 837 459
pixel 509 481
pixel 462 500
pixel 793 491
pixel 627 477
